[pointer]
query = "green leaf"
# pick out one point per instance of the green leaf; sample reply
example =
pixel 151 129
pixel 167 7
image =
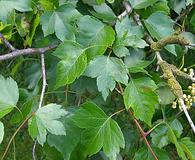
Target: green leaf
pixel 33 75
pixel 95 35
pixel 159 135
pixel 9 95
pixel 192 20
pixel 173 139
pixel 66 144
pixel 99 2
pixel 188 147
pixel 60 21
pixel 74 2
pixel 101 131
pixel 8 6
pixel 139 67
pixel 139 4
pixel 49 4
pixel 104 12
pixel 159 6
pixel 134 61
pixel 160 25
pixel 141 97
pixel 144 154
pixel 1 132
pixel 128 34
pixel 177 5
pixel 107 70
pixel 190 37
pixel 93 2
pixel 169 132
pixel 30 35
pixel 120 50
pixel 22 24
pixel 18 117
pixel 46 119
pixel 165 95
pixel 73 62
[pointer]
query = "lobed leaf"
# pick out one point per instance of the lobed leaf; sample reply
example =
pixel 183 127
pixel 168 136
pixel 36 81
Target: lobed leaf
pixel 46 119
pixel 100 131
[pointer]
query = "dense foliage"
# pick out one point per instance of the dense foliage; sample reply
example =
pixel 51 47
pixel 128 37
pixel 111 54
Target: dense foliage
pixel 97 79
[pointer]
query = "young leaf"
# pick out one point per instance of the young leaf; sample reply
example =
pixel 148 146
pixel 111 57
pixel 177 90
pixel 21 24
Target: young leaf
pixel 95 35
pixel 100 131
pixel 73 62
pixel 46 119
pixel 160 25
pixel 141 97
pixel 60 22
pixel 128 34
pixel 1 132
pixel 8 95
pixel 107 70
pixel 8 6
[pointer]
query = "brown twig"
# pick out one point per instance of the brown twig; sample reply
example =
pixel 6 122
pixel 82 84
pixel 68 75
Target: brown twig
pixel 15 133
pixel 28 51
pixel 7 43
pixel 144 135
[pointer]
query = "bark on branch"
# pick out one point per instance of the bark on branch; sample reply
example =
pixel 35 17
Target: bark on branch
pixel 127 11
pixel 28 51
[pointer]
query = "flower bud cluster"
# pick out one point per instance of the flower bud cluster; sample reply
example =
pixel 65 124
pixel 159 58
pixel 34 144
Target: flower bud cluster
pixel 190 72
pixel 188 99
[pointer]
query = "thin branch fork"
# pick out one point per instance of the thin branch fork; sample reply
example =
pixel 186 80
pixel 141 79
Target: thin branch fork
pixel 143 134
pixel 28 51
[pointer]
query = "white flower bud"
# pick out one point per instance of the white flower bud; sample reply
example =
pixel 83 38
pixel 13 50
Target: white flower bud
pixel 185 70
